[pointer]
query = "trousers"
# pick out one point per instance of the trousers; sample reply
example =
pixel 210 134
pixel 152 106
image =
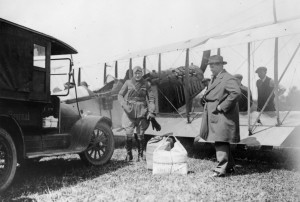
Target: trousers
pixel 224 157
pixel 129 124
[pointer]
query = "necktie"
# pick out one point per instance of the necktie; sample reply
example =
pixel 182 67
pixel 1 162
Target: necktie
pixel 213 79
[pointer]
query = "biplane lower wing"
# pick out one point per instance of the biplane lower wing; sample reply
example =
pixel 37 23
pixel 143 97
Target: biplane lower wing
pixel 268 134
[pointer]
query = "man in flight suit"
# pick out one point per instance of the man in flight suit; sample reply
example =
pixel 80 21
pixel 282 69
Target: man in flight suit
pixel 138 102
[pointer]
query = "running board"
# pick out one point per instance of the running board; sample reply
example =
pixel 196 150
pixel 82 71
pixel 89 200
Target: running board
pixel 49 153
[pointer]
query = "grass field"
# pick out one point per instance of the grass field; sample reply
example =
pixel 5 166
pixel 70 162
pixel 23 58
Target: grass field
pixel 260 176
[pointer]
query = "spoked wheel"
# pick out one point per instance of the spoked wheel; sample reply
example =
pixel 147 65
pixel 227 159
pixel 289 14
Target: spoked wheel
pixel 8 159
pixel 101 147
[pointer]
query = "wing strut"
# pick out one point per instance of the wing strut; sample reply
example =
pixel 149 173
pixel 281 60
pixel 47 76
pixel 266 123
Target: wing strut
pixel 290 61
pixel 276 80
pixel 186 86
pixel 144 65
pixel 248 96
pixel 130 68
pixel 116 69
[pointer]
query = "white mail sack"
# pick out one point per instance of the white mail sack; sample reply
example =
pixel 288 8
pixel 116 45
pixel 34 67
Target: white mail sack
pixel 173 161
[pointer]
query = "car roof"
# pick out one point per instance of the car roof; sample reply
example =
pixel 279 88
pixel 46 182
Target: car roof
pixel 58 47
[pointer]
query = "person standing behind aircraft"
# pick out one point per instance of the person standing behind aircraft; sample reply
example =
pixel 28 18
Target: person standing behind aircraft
pixel 138 102
pixel 86 86
pixel 265 86
pixel 220 120
pixel 243 102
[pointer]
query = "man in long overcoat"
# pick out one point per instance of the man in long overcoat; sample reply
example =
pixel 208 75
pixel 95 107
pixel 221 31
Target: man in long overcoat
pixel 220 121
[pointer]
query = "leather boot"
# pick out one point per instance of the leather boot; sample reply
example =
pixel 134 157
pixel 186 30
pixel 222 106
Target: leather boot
pixel 140 147
pixel 129 150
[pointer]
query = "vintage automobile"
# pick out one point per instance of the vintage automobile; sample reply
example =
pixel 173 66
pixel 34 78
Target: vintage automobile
pixel 36 122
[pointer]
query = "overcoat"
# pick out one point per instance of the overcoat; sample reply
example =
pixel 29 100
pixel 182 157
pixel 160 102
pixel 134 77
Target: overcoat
pixel 221 125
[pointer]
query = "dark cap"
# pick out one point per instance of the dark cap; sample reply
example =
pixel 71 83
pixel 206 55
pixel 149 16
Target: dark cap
pixel 261 69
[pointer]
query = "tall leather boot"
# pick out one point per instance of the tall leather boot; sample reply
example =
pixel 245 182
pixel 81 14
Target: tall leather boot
pixel 129 149
pixel 140 147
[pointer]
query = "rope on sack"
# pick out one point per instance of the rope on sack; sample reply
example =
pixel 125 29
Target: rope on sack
pixel 165 140
pixel 162 142
pixel 182 150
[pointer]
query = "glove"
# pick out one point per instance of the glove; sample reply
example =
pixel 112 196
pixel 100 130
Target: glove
pixel 155 124
pixel 197 138
pixel 150 115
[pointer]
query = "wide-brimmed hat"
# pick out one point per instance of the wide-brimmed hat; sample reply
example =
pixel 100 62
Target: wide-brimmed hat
pixel 216 59
pixel 137 68
pixel 238 76
pixel 261 69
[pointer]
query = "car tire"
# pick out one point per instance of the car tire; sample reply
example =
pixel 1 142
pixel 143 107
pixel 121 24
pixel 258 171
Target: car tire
pixel 8 160
pixel 101 147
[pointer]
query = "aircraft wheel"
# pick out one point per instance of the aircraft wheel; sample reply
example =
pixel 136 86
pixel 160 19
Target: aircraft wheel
pixel 101 147
pixel 8 159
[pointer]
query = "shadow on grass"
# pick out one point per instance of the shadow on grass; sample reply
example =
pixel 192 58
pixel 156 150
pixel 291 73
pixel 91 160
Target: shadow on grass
pixel 285 158
pixel 54 173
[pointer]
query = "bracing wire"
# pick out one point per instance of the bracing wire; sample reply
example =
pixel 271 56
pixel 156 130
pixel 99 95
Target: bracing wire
pixel 246 58
pixel 177 58
pixel 170 102
pixel 280 49
pixel 291 82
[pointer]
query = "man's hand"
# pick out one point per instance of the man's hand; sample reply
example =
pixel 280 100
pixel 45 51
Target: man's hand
pixel 150 115
pixel 217 110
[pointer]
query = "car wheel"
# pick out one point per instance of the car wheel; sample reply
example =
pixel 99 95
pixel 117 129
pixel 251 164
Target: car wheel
pixel 101 147
pixel 8 159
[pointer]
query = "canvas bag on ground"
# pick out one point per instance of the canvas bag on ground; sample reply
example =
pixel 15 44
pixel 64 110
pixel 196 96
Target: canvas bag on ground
pixel 152 144
pixel 172 161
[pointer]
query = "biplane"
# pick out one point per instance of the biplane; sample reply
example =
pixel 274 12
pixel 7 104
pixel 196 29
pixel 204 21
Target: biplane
pixel 177 88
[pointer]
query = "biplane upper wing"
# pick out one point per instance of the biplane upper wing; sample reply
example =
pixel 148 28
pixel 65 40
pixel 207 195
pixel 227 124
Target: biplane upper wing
pixel 167 48
pixel 255 33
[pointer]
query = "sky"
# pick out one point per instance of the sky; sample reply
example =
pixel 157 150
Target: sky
pixel 102 30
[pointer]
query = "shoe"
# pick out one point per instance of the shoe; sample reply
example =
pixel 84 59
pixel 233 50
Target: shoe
pixel 230 170
pixel 217 174
pixel 129 157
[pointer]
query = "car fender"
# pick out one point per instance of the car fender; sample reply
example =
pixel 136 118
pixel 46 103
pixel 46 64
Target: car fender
pixel 82 131
pixel 11 125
